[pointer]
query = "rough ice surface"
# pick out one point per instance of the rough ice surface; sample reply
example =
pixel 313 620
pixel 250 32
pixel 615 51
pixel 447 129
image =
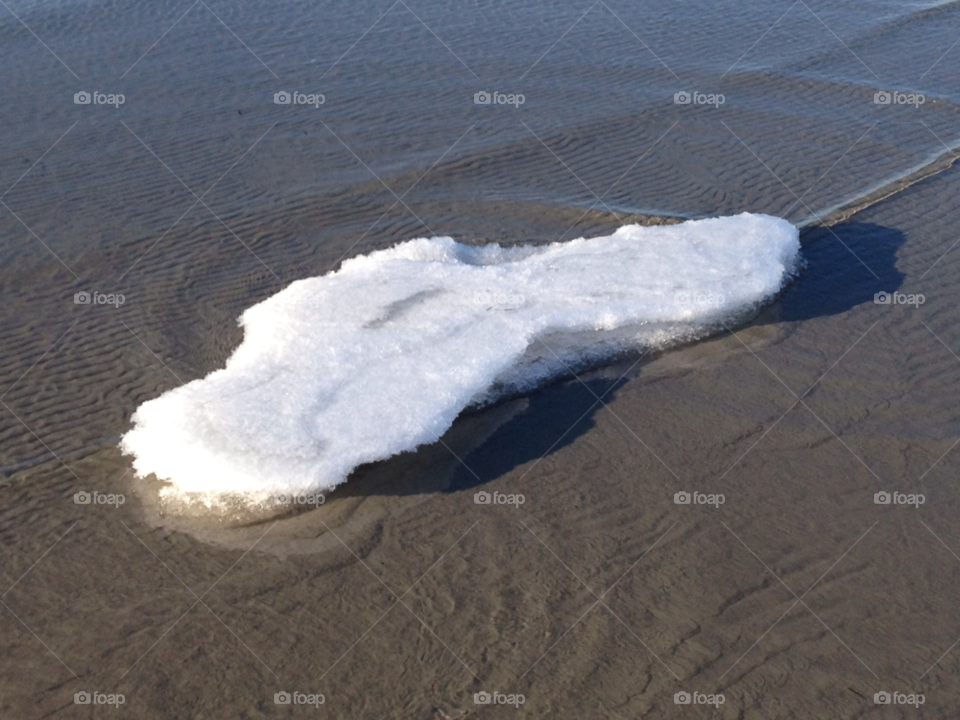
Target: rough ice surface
pixel 382 355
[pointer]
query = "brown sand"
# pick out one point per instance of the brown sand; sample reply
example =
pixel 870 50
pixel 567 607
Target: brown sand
pixel 599 597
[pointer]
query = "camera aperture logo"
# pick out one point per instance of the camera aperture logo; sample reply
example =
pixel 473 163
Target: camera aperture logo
pixel 898 498
pixel 298 98
pixel 698 498
pixel 98 698
pixel 98 98
pixel 298 698
pixel 698 98
pixel 892 97
pixel 498 498
pixel 898 698
pixel 698 698
pixel 99 298
pixel 498 698
pixel 98 498
pixel 898 298
pixel 498 98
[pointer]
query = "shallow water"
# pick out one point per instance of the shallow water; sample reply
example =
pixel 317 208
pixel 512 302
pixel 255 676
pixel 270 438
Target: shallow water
pixel 106 199
pixel 199 196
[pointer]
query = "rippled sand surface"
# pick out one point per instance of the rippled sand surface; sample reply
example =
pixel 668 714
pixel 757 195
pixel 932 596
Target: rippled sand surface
pixel 599 596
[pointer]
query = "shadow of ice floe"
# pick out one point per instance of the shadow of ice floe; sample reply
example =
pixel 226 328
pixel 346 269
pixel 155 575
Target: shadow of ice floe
pixel 846 266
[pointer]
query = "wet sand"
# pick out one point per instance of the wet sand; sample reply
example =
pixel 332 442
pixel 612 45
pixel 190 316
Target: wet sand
pixel 599 596
pixel 400 597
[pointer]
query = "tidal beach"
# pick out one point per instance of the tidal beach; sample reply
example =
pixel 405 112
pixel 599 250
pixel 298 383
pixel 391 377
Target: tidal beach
pixel 822 583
